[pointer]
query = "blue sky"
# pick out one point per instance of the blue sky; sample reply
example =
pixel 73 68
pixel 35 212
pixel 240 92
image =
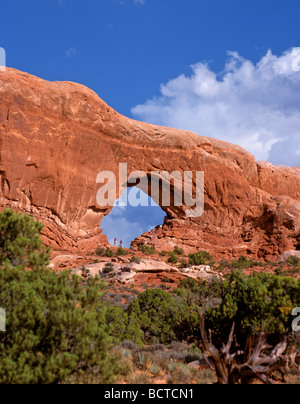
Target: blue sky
pixel 220 67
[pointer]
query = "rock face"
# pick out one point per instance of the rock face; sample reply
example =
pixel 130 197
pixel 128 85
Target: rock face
pixel 55 137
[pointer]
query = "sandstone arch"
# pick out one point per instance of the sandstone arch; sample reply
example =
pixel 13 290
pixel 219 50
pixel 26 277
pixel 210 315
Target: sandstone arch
pixel 56 137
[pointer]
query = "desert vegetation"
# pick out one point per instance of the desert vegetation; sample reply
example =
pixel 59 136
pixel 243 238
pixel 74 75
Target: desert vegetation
pixel 63 328
pixel 147 250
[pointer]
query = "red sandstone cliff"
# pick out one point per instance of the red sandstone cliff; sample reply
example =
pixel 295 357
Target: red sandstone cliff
pixel 55 137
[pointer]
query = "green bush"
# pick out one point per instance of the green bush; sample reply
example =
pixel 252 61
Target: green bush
pixel 198 292
pixel 158 314
pixel 201 258
pixel 117 320
pixel 243 263
pixel 20 242
pixel 147 249
pixel 53 332
pixel 184 264
pixel 278 271
pixel 173 258
pixel 100 251
pixel 257 302
pixel 108 268
pixel 109 252
pixel 121 251
pixel 133 330
pixel 135 259
pixel 85 272
pixel 293 260
pixel 178 251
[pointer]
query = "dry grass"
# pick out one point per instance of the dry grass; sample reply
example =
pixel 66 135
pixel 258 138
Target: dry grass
pixel 158 364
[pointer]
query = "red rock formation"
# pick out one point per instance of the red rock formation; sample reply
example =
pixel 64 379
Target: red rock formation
pixel 56 137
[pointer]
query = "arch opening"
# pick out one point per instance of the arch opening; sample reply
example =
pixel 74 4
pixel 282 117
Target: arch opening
pixel 132 215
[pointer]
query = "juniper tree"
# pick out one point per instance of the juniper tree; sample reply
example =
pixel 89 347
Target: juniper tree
pixel 53 330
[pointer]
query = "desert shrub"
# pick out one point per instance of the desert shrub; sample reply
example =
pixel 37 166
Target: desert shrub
pixel 293 260
pixel 158 313
pixel 155 370
pixel 140 378
pixel 199 292
pixel 85 272
pixel 123 326
pixel 121 251
pixel 133 330
pixel 157 348
pixel 243 263
pixel 168 317
pixel 20 241
pixel 295 270
pixel 163 253
pixel 116 318
pixel 206 376
pixel 143 359
pixel 201 258
pixel 152 250
pixel 100 251
pixel 173 258
pixel 180 374
pixel 129 345
pixel 53 331
pixel 191 357
pixel 147 250
pixel 260 302
pixel 142 247
pixel 108 268
pixel 109 252
pixel 278 271
pixel 135 259
pixel 125 365
pixel 183 264
pixel 178 251
pixel 254 303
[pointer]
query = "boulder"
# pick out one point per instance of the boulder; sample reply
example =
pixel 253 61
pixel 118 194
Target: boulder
pixel 63 261
pixel 287 254
pixel 201 272
pixel 147 265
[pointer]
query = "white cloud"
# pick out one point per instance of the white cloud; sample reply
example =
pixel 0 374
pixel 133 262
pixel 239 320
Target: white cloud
pixel 254 105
